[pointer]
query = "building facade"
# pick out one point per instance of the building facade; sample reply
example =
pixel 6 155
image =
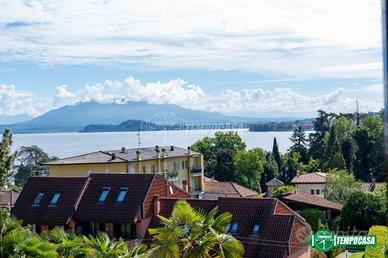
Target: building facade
pixel 183 167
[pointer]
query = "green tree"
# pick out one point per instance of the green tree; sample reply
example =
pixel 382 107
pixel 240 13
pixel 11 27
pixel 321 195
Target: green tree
pixel 299 143
pixel 30 163
pixel 348 148
pixel 291 166
pixel 271 169
pixel 340 185
pixel 6 158
pixel 249 167
pixel 316 139
pixel 228 140
pixel 281 190
pixel 224 165
pixel 363 210
pixel 276 153
pixel 314 217
pixel 191 233
pixel 206 147
pixel 362 164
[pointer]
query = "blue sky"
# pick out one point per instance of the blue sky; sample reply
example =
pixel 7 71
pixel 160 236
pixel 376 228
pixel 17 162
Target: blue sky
pixel 236 57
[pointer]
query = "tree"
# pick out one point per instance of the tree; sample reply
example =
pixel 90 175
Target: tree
pixel 276 153
pixel 190 233
pixel 299 143
pixel 291 166
pixel 348 148
pixel 362 164
pixel 281 190
pixel 271 169
pixel 30 163
pixel 228 140
pixel 314 217
pixel 224 165
pixel 316 139
pixel 6 158
pixel 340 185
pixel 363 210
pixel 206 147
pixel 249 167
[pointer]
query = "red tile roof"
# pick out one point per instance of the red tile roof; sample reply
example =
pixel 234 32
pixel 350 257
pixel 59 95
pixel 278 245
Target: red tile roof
pixel 310 178
pixel 70 188
pixel 313 200
pixel 275 229
pixel 228 188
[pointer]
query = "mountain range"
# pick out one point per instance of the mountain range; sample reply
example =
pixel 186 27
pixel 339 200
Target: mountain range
pixel 73 118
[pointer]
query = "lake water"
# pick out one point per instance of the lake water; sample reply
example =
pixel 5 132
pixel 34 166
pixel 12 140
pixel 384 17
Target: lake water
pixel 69 144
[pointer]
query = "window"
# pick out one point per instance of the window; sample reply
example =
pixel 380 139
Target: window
pixel 55 198
pixel 153 169
pixel 317 192
pixel 234 228
pixel 38 198
pixel 122 194
pixel 312 191
pixel 256 229
pixel 131 170
pixel 175 166
pixel 144 169
pixel 183 164
pixel 228 227
pixel 104 194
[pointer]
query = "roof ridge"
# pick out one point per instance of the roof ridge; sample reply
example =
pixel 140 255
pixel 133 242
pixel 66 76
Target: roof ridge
pixel 108 153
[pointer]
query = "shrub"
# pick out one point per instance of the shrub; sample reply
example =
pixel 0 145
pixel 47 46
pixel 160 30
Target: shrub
pixel 377 251
pixel 317 254
pixel 314 217
pixel 280 191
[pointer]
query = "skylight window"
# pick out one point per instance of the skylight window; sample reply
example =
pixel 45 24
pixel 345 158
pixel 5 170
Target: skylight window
pixel 38 198
pixel 122 194
pixel 104 194
pixel 228 227
pixel 256 229
pixel 55 198
pixel 234 228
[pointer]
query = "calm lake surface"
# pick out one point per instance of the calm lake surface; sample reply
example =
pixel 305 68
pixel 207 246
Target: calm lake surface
pixel 69 144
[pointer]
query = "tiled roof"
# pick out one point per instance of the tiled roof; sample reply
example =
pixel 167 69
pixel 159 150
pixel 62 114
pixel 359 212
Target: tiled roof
pixel 368 187
pixel 303 197
pixel 70 188
pixel 274 182
pixel 128 211
pixel 275 230
pixel 311 178
pixel 117 156
pixel 8 197
pixel 228 188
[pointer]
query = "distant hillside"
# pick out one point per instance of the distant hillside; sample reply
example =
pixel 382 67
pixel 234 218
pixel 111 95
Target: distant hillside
pixel 74 118
pixel 128 126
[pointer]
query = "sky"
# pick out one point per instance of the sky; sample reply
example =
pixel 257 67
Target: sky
pixel 252 58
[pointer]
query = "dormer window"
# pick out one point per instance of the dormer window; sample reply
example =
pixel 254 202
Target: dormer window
pixel 255 230
pixel 38 199
pixel 231 228
pixel 55 198
pixel 104 194
pixel 123 192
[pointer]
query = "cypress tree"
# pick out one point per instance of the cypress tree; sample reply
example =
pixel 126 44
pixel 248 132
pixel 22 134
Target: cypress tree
pixel 276 154
pixel 6 158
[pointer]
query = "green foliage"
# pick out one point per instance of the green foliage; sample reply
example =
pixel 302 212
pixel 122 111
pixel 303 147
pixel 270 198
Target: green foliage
pixel 299 143
pixel 30 163
pixel 6 158
pixel 291 166
pixel 379 250
pixel 192 233
pixel 224 169
pixel 363 210
pixel 271 169
pixel 314 217
pixel 321 127
pixel 276 153
pixel 249 167
pixel 281 190
pixel 340 185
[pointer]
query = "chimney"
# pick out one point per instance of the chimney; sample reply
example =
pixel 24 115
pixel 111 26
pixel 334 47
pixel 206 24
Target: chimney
pixel 189 150
pixel 157 151
pixel 297 173
pixel 123 150
pixel 164 153
pixel 138 155
pixel 113 155
pixel 156 203
pixel 185 186
pixel 172 148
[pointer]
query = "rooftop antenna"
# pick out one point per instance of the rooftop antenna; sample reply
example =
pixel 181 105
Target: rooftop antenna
pixel 357 114
pixel 138 137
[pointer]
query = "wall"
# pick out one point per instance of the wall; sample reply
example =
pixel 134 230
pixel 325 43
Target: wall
pixel 84 169
pixel 307 188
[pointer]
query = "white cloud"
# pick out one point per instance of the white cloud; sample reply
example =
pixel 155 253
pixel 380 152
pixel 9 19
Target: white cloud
pixel 297 38
pixel 245 101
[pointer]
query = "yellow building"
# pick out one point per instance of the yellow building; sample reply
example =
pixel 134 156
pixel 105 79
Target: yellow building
pixel 183 167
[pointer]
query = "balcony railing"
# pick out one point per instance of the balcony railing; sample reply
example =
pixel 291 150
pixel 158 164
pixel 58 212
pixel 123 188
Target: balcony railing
pixel 196 171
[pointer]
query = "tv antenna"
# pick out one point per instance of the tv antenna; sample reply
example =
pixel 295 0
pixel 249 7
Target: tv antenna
pixel 357 114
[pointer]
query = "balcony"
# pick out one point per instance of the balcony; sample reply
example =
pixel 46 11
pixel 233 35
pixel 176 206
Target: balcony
pixel 169 175
pixel 196 172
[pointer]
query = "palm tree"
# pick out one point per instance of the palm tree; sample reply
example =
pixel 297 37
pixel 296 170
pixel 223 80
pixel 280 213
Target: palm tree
pixel 192 233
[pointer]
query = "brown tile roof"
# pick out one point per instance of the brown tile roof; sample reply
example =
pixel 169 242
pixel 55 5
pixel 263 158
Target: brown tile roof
pixel 129 211
pixel 228 188
pixel 311 178
pixel 275 230
pixel 117 156
pixel 313 200
pixel 70 188
pixel 368 187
